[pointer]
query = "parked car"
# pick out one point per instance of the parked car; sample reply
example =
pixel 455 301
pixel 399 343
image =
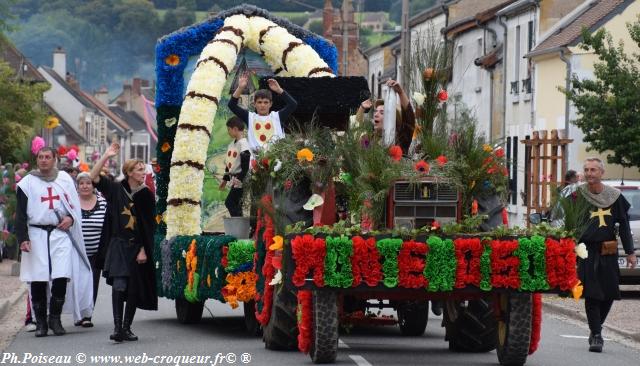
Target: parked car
pixel 631 191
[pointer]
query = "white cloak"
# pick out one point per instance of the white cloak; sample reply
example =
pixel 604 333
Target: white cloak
pixel 44 198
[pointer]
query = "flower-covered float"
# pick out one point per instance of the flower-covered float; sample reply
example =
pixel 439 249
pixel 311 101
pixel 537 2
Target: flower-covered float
pixel 342 218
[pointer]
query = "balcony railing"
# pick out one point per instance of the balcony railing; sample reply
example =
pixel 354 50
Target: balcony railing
pixel 514 87
pixel 526 85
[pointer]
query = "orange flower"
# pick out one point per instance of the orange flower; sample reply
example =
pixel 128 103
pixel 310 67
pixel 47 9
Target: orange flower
pixel 158 219
pixel 474 207
pixel 84 167
pixel 165 147
pixel 278 242
pixel 172 60
pixel 305 154
pixel 395 152
pixel 442 160
pixel 422 167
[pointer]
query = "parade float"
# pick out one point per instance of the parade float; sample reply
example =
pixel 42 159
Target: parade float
pixel 341 218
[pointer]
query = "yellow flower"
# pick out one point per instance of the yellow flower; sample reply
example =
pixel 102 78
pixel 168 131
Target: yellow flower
pixel 487 148
pixel 52 122
pixel 165 147
pixel 576 291
pixel 278 242
pixel 209 280
pixel 172 60
pixel 158 219
pixel 305 154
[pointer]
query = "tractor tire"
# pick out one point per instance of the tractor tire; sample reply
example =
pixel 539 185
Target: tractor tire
pixel 324 345
pixel 470 325
pixel 413 317
pixel 281 333
pixel 250 321
pixel 514 328
pixel 189 312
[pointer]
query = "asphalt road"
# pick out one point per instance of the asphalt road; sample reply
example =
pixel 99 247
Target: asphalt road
pixel 563 343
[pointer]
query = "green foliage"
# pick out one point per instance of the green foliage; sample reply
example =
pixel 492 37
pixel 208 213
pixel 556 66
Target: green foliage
pixel 20 113
pixel 608 103
pixel 572 210
pixel 469 224
pixel 316 26
pixel 6 15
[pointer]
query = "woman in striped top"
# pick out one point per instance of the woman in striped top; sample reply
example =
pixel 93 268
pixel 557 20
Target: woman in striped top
pixel 94 208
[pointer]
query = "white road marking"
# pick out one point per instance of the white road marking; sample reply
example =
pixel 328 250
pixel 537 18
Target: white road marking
pixel 341 344
pixel 579 337
pixel 359 360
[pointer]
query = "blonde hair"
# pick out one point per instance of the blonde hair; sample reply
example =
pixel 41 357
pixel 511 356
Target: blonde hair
pixel 129 165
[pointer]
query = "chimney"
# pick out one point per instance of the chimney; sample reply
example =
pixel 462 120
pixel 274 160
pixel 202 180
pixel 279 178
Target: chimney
pixel 103 95
pixel 327 19
pixel 136 86
pixel 60 62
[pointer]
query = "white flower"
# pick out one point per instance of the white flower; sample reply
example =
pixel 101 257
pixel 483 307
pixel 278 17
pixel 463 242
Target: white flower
pixel 157 265
pixel 581 251
pixel 184 254
pixel 419 98
pixel 314 201
pixel 277 279
pixel 278 165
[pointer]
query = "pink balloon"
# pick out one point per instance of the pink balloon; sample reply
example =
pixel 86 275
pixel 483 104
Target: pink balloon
pixel 72 154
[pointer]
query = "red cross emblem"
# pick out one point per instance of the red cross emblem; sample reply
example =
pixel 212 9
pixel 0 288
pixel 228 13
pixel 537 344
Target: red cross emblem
pixel 50 198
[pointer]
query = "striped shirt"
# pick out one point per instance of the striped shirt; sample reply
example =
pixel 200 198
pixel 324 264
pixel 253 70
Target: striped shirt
pixel 92 223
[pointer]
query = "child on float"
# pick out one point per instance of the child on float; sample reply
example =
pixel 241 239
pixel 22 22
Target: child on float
pixel 265 125
pixel 236 166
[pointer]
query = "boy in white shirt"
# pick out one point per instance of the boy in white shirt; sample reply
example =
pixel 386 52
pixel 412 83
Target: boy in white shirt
pixel 236 165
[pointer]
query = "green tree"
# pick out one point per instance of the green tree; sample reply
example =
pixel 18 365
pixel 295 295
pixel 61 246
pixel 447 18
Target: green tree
pixel 6 15
pixel 609 104
pixel 20 113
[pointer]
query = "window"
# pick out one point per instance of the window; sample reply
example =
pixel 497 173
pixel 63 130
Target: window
pixel 516 69
pixel 527 173
pixel 531 37
pixel 379 94
pixel 512 166
pixel 479 71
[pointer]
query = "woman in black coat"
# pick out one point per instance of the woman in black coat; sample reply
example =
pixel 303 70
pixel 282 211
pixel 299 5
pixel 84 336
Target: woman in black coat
pixel 128 264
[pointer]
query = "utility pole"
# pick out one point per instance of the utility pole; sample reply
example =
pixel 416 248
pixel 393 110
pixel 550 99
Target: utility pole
pixel 346 4
pixel 405 48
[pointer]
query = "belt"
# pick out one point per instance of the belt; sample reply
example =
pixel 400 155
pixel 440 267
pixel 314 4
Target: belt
pixel 47 228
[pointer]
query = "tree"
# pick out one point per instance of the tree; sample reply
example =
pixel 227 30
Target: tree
pixel 6 15
pixel 20 113
pixel 609 104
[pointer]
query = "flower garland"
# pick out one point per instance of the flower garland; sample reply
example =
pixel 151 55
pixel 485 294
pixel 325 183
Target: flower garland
pixel 239 255
pixel 305 320
pixel 193 278
pixel 308 253
pixel 441 264
pixel 527 249
pixel 263 263
pixel 561 263
pixel 468 270
pixel 485 266
pixel 281 50
pixel 365 262
pixel 337 262
pixel 504 264
pixel 411 262
pixel 389 249
pixel 536 322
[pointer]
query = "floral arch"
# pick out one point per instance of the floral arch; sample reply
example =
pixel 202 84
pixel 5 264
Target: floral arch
pixel 185 120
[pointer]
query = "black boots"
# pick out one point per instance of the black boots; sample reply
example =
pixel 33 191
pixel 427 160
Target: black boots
pixel 55 309
pixel 596 342
pixel 40 312
pixel 117 302
pixel 129 313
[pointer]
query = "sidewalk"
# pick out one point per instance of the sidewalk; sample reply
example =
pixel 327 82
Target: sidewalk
pixel 623 319
pixel 12 303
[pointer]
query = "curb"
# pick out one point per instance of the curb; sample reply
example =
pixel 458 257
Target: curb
pixel 6 305
pixel 580 316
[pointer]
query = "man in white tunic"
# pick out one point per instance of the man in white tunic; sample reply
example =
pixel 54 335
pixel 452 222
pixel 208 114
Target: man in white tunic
pixel 48 227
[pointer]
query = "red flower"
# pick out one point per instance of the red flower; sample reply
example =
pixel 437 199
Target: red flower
pixel 308 254
pixel 365 262
pixel 156 168
pixel 561 263
pixel 505 217
pixel 288 184
pixel 487 161
pixel 499 152
pixel 442 160
pixel 305 320
pixel 265 163
pixel 395 152
pixel 505 264
pixel 492 170
pixel 443 95
pixel 254 165
pixel 422 167
pixel 62 150
pixel 474 207
pixel 468 254
pixel 505 171
pixel 435 225
pixel 411 263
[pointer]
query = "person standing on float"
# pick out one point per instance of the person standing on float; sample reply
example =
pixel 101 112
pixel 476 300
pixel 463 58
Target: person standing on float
pixel 128 264
pixel 48 228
